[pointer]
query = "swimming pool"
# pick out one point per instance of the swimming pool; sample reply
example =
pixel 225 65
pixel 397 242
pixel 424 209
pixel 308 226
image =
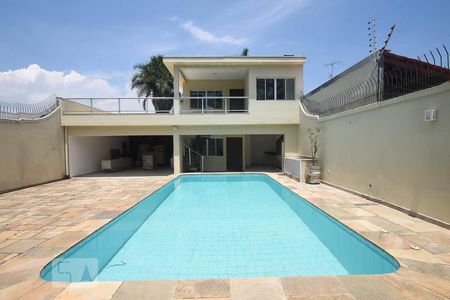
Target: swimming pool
pixel 219 226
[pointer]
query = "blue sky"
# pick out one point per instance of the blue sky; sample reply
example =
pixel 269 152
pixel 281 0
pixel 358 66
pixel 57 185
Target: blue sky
pixel 98 42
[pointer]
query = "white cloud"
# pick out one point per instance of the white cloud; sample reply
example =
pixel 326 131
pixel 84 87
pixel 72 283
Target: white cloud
pixel 33 83
pixel 263 14
pixel 267 12
pixel 206 36
pixel 235 19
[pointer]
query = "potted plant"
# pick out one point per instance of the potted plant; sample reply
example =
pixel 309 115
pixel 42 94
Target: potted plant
pixel 313 169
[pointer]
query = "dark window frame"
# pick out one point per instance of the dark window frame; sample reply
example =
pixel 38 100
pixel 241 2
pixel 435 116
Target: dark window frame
pixel 198 104
pixel 286 95
pixel 212 146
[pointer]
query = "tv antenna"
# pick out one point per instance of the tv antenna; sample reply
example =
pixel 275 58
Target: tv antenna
pixel 331 65
pixel 372 35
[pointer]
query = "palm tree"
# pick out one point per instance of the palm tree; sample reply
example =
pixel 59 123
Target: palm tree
pixel 244 52
pixel 153 79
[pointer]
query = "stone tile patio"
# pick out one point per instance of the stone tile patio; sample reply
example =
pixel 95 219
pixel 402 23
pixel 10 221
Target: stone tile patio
pixel 38 223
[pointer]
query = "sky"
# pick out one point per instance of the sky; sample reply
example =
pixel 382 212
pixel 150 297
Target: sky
pixel 87 48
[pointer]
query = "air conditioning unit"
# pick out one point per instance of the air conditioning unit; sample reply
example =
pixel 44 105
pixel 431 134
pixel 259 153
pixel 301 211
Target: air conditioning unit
pixel 295 167
pixel 430 115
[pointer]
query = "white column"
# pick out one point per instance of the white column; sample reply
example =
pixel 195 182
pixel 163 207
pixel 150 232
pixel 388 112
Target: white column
pixel 176 90
pixel 66 152
pixel 177 153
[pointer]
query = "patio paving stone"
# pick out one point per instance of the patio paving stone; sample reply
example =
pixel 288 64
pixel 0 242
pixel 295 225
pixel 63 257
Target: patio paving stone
pixel 370 287
pixel 17 290
pixel 313 286
pixel 158 289
pixel 21 246
pixel 46 291
pixel 257 288
pixel 89 290
pixel 38 223
pixel 208 288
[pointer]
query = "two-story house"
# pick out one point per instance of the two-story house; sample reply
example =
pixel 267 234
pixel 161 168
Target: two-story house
pixel 231 113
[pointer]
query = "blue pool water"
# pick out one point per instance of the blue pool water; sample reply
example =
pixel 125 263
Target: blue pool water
pixel 220 226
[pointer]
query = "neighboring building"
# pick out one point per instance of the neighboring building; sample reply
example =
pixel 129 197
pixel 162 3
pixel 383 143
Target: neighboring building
pixel 231 114
pixel 374 79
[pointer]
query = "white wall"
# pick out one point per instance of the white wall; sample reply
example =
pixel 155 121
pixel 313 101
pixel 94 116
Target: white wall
pixel 386 150
pixel 86 152
pixel 31 152
pixel 215 163
pixel 260 144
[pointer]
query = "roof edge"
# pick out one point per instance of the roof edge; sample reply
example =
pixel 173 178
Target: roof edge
pixel 284 57
pixel 342 74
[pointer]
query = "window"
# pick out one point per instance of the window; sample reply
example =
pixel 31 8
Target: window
pixel 290 89
pixel 270 95
pixel 211 146
pixel 281 91
pixel 197 103
pixel 207 104
pixel 260 89
pixel 214 103
pixel 275 89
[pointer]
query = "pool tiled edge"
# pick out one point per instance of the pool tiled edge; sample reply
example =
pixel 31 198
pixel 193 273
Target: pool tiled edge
pixel 41 222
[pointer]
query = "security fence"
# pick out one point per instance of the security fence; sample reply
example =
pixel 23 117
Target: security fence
pixel 16 111
pixel 393 76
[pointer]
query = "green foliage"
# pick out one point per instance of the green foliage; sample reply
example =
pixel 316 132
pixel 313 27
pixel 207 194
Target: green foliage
pixel 153 79
pixel 313 135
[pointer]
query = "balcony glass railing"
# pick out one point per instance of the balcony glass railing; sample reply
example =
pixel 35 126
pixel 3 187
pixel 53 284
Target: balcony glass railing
pixel 208 105
pixel 154 105
pixel 116 105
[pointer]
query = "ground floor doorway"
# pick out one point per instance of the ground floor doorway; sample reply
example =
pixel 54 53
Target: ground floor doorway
pixel 234 154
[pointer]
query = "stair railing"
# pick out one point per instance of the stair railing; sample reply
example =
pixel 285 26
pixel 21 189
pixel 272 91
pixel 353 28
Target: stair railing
pixel 191 153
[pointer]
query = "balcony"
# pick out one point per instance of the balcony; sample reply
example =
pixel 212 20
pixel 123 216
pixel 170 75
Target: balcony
pixel 154 105
pixel 181 111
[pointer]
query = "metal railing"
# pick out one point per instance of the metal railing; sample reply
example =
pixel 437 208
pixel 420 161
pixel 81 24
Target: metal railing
pixel 154 105
pixel 361 94
pixel 193 160
pixel 17 111
pixel 123 105
pixel 207 105
pixel 396 76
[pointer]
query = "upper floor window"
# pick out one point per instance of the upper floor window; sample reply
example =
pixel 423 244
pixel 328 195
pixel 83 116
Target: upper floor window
pixel 211 103
pixel 275 89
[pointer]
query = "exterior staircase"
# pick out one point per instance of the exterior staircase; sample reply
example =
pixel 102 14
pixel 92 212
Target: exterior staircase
pixel 193 161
